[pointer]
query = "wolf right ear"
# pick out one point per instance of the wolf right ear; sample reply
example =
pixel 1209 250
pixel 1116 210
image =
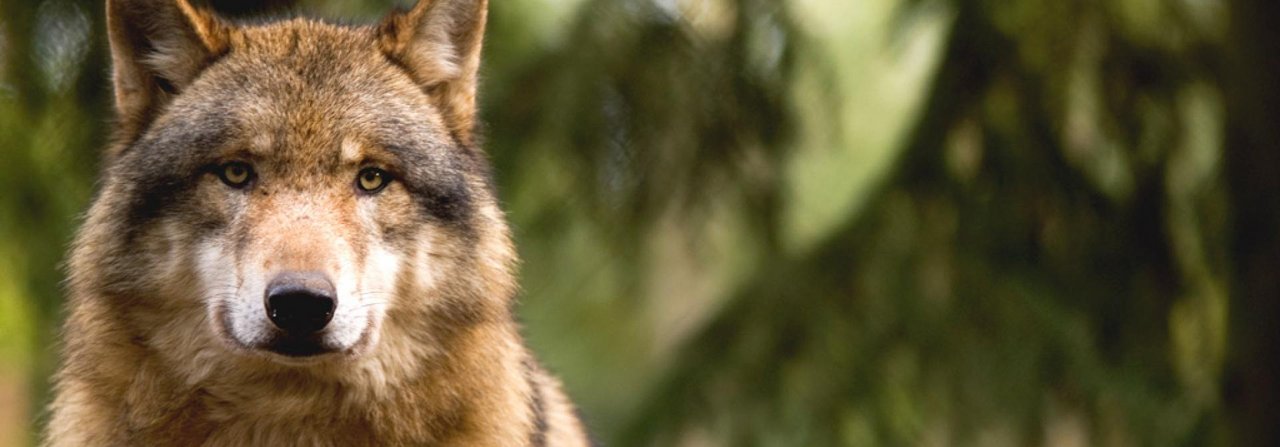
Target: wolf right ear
pixel 157 48
pixel 438 43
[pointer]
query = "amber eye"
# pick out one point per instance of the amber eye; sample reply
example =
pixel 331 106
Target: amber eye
pixel 372 179
pixel 236 174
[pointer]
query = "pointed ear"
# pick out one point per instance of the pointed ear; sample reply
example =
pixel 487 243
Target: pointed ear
pixel 438 43
pixel 157 48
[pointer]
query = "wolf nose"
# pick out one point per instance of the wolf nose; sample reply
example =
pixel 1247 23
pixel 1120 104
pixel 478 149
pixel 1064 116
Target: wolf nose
pixel 300 303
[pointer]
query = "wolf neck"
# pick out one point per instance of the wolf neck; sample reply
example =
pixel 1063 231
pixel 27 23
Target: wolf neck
pixel 466 392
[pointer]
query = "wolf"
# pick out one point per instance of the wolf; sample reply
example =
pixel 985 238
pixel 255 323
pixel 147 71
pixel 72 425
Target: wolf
pixel 296 241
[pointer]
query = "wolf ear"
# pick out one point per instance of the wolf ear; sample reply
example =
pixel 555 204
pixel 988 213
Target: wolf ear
pixel 157 48
pixel 438 43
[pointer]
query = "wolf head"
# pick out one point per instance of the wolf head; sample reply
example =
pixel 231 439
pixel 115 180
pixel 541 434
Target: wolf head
pixel 295 191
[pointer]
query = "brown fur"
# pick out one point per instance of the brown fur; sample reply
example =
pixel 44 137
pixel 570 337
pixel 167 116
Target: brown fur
pixel 148 358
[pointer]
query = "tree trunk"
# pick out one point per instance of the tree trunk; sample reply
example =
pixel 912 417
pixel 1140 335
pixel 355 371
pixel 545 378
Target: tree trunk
pixel 1251 84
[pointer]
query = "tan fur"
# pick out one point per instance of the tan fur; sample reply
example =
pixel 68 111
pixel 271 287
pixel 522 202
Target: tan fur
pixel 148 356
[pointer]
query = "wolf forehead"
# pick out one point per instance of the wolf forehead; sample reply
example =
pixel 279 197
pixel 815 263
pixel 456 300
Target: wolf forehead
pixel 302 93
pixel 302 82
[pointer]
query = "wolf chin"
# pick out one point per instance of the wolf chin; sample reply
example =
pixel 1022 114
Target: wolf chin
pixel 295 241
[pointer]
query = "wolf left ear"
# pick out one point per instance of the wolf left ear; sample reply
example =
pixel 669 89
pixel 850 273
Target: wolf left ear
pixel 438 43
pixel 157 48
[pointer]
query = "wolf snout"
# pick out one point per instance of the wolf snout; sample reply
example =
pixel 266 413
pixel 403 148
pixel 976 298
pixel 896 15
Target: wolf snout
pixel 300 303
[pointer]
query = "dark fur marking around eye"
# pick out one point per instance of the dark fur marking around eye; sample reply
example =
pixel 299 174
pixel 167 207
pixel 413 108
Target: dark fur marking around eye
pixel 165 165
pixel 437 182
pixel 445 198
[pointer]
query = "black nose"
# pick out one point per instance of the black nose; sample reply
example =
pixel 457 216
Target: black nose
pixel 300 303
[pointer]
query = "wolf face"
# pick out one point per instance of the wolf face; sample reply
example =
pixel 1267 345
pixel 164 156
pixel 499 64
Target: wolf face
pixel 293 188
pixel 307 197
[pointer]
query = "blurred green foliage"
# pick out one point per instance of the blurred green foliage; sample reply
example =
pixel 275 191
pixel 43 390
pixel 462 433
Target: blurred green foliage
pixel 818 222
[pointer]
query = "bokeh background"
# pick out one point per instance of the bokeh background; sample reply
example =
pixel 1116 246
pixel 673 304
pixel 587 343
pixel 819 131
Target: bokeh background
pixel 813 222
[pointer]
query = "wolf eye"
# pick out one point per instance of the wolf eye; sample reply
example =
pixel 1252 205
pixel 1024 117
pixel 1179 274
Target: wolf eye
pixel 235 174
pixel 372 179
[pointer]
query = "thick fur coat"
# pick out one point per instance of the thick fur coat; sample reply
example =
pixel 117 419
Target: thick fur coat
pixel 247 156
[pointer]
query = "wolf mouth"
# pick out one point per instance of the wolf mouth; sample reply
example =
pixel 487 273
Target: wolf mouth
pixel 299 346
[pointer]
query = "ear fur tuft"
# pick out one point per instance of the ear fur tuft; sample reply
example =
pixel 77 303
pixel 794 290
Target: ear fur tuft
pixel 438 43
pixel 157 48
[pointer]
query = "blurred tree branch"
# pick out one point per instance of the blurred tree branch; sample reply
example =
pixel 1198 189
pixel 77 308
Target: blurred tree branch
pixel 1029 247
